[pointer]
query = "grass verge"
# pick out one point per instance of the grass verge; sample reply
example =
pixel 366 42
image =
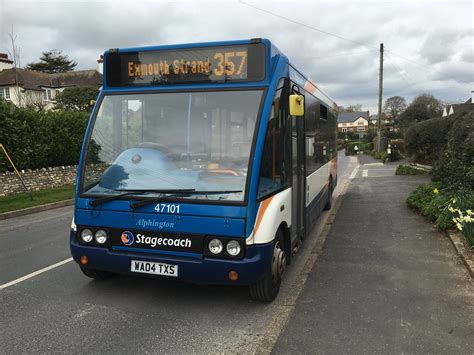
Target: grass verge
pixel 41 197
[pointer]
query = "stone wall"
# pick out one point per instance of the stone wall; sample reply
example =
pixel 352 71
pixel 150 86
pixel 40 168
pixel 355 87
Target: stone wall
pixel 41 178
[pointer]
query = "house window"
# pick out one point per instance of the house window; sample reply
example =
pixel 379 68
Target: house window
pixel 4 93
pixel 48 95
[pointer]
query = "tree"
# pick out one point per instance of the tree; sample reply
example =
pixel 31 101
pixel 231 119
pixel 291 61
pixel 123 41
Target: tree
pixel 351 108
pixel 53 61
pixel 395 106
pixel 15 55
pixel 76 99
pixel 422 108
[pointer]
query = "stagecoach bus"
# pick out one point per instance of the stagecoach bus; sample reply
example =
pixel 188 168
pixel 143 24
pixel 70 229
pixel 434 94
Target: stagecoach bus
pixel 206 162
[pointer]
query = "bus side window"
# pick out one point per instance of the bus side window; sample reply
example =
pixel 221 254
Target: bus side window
pixel 273 174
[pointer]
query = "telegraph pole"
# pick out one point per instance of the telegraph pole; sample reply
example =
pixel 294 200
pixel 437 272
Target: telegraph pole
pixel 379 128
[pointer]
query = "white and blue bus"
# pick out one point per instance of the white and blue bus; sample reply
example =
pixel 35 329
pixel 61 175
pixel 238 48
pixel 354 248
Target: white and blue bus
pixel 206 162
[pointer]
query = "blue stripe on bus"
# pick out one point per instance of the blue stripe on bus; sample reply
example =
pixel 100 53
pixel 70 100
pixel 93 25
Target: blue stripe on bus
pixel 165 252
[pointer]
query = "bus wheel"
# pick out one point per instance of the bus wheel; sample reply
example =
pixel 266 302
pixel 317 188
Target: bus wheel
pixel 96 274
pixel 329 200
pixel 267 288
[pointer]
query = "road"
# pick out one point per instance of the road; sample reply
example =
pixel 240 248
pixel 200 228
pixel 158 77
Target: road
pixel 60 310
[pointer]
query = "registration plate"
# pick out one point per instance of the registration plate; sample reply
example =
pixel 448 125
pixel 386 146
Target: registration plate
pixel 148 267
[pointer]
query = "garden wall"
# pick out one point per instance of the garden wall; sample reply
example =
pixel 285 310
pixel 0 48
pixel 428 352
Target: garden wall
pixel 41 178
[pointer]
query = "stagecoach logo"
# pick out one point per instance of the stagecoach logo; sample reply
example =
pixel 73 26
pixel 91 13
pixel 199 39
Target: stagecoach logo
pixel 127 238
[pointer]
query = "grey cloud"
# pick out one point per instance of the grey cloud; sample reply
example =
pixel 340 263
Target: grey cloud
pixel 346 70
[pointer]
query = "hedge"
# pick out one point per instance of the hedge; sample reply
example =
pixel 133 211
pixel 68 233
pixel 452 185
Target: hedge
pixel 425 141
pixel 40 139
pixel 455 167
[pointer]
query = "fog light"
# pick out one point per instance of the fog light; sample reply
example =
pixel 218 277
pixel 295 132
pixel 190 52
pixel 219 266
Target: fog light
pixel 233 276
pixel 233 248
pixel 215 246
pixel 101 236
pixel 86 235
pixel 83 260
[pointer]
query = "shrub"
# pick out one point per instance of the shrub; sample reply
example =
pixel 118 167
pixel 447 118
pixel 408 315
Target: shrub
pixel 409 170
pixel 350 148
pixel 366 146
pixel 425 141
pixel 455 168
pixel 40 139
pixel 383 156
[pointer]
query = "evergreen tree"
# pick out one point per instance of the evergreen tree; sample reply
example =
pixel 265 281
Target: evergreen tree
pixel 53 61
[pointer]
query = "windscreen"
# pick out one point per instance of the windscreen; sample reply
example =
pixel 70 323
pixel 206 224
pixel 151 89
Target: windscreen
pixel 186 140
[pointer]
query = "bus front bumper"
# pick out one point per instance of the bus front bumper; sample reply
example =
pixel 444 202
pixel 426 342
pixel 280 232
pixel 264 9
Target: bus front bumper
pixel 203 270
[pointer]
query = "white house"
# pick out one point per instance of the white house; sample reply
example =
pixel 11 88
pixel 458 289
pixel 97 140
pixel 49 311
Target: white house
pixel 468 106
pixel 356 122
pixel 25 87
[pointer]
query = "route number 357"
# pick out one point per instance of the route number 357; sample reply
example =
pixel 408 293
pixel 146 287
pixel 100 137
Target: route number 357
pixel 230 63
pixel 167 208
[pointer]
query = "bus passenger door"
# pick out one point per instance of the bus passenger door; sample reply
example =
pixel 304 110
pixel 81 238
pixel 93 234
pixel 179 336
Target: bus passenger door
pixel 298 178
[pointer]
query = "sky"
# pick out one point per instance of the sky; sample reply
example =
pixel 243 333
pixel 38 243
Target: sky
pixel 429 45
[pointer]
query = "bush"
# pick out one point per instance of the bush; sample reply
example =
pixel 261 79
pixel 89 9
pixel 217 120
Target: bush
pixel 40 139
pixel 432 204
pixel 455 168
pixel 425 141
pixel 350 148
pixel 409 170
pixel 442 206
pixel 366 147
pixel 383 156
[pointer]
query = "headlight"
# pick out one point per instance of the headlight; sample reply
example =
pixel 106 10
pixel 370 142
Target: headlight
pixel 233 248
pixel 101 236
pixel 86 235
pixel 215 246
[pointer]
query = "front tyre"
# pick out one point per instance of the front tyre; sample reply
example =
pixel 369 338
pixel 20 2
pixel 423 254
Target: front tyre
pixel 267 288
pixel 96 274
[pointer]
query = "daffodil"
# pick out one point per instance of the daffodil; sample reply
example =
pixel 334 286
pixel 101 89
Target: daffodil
pixel 469 212
pixel 459 225
pixel 451 209
pixel 468 219
pixel 436 191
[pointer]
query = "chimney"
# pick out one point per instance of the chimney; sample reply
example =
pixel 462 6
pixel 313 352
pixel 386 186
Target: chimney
pixel 100 63
pixel 5 62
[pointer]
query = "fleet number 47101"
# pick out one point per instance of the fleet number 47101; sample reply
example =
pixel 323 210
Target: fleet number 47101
pixel 167 208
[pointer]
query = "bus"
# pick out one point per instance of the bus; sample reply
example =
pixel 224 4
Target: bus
pixel 206 162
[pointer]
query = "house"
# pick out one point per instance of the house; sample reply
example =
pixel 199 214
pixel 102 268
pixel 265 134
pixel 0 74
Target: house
pixel 356 122
pixel 467 106
pixel 25 87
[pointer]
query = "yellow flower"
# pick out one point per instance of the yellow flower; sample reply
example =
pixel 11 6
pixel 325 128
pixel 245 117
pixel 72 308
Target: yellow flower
pixel 468 219
pixel 459 225
pixel 469 212
pixel 436 191
pixel 451 209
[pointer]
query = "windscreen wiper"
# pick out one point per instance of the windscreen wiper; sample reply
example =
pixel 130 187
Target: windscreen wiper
pixel 100 200
pixel 135 205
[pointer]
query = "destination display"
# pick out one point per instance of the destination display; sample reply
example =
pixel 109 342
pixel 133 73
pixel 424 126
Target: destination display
pixel 193 65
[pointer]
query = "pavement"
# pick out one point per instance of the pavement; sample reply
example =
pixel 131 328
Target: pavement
pixel 386 280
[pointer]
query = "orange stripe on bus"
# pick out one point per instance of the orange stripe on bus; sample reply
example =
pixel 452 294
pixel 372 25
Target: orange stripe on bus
pixel 310 87
pixel 261 212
